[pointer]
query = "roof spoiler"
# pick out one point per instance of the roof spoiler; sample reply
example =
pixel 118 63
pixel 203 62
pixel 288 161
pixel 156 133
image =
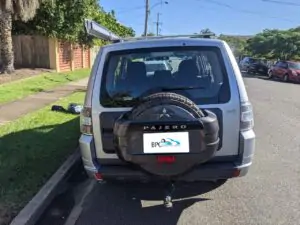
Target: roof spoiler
pixel 94 29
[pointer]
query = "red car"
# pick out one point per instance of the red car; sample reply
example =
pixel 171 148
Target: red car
pixel 286 71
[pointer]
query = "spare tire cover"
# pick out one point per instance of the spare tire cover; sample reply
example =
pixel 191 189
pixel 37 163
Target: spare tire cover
pixel 165 115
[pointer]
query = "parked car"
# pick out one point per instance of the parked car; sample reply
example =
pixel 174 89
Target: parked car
pixel 156 65
pixel 185 128
pixel 254 65
pixel 246 62
pixel 259 67
pixel 286 71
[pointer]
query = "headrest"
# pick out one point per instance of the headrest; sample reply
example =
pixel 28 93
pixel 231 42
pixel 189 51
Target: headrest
pixel 136 69
pixel 188 67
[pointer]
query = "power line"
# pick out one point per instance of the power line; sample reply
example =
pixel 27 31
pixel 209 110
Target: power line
pixel 243 10
pixel 281 2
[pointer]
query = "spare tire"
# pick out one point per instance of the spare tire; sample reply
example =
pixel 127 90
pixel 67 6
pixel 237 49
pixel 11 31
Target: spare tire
pixel 166 124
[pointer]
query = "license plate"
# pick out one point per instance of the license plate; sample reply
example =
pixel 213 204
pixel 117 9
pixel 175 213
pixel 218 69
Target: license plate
pixel 171 142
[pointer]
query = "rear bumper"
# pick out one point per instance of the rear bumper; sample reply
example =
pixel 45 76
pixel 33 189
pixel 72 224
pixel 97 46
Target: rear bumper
pixel 211 171
pixel 237 166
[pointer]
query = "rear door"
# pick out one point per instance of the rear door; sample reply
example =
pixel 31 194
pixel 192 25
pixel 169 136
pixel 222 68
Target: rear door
pixel 277 70
pixel 118 92
pixel 283 69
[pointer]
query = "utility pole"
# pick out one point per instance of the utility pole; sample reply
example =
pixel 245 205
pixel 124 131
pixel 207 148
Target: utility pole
pixel 146 18
pixel 157 24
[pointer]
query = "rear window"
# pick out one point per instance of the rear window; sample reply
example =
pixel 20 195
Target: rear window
pixel 294 65
pixel 196 72
pixel 152 67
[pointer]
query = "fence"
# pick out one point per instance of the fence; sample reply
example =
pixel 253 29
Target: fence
pixel 31 51
pixel 43 52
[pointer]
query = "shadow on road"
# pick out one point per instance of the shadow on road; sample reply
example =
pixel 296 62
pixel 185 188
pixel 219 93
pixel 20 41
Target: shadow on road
pixel 268 79
pixel 257 76
pixel 261 77
pixel 125 204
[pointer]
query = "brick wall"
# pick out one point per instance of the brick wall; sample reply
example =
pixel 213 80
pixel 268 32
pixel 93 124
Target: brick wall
pixel 64 56
pixel 72 56
pixel 87 58
pixel 78 56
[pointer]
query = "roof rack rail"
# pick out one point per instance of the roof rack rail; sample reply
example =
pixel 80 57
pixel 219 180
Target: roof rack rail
pixel 96 30
pixel 208 35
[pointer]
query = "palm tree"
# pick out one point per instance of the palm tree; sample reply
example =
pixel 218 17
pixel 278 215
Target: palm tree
pixel 23 10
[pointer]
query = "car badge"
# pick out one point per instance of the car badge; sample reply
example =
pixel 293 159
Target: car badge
pixel 164 114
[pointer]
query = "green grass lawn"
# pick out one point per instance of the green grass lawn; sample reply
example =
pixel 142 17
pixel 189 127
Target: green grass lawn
pixel 22 88
pixel 31 150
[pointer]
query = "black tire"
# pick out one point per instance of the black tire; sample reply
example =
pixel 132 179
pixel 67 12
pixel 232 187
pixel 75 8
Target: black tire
pixel 167 98
pixel 270 75
pixel 286 78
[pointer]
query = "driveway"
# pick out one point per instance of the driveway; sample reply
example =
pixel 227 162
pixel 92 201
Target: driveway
pixel 269 194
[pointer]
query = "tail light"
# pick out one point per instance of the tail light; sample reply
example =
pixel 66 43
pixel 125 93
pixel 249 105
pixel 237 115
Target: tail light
pixel 166 159
pixel 98 176
pixel 86 121
pixel 247 120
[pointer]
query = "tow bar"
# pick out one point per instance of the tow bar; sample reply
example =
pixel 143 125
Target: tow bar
pixel 170 188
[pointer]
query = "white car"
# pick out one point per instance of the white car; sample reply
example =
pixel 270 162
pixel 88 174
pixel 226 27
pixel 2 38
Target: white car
pixel 156 65
pixel 192 124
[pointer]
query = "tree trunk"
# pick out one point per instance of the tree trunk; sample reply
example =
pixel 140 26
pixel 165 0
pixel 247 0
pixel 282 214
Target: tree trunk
pixel 6 45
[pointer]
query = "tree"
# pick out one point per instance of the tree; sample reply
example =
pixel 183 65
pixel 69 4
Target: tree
pixel 206 31
pixel 23 10
pixel 113 13
pixel 64 19
pixel 150 34
pixel 276 44
pixel 237 44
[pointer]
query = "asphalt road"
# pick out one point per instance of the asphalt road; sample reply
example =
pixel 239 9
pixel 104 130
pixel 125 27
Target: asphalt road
pixel 269 194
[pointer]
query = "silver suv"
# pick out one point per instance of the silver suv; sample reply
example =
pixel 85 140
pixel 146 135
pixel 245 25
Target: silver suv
pixel 190 124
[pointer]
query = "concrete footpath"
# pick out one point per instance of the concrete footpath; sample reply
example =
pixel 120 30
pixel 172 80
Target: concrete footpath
pixel 13 110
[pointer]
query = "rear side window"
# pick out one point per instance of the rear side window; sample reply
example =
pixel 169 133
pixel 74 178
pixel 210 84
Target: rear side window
pixel 294 65
pixel 196 72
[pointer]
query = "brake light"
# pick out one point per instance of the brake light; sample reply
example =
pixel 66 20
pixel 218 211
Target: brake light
pixel 247 120
pixel 236 173
pixel 98 176
pixel 166 159
pixel 86 121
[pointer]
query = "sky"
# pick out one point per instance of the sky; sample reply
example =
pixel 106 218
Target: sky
pixel 232 17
